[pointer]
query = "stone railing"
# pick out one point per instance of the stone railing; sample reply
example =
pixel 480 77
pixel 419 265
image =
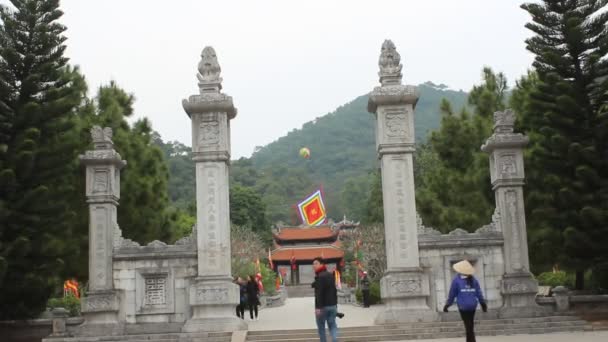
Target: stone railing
pixel 565 301
pixel 346 295
pixel 37 329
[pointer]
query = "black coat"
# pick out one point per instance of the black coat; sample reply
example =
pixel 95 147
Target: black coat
pixel 253 292
pixel 326 293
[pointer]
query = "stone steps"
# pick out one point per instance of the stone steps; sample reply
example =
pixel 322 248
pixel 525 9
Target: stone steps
pixel 390 332
pixel 165 337
pixel 414 331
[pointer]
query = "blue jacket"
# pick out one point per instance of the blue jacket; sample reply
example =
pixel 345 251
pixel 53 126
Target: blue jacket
pixel 467 296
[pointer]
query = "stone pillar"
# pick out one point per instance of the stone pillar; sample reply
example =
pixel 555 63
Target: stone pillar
pixel 103 165
pixel 213 296
pixel 518 287
pixel 404 287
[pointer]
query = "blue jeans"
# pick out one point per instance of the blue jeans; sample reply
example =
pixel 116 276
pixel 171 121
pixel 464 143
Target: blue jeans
pixel 328 314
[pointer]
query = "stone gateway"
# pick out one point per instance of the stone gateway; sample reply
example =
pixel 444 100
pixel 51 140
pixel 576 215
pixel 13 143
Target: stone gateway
pixel 186 288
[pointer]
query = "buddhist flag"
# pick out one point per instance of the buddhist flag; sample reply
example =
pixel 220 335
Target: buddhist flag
pixel 71 286
pixel 338 280
pixel 312 209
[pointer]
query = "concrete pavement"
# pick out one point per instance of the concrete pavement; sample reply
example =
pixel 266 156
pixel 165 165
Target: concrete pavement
pixel 598 336
pixel 299 313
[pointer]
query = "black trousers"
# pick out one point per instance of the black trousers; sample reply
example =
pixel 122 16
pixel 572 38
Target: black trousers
pixel 240 311
pixel 253 308
pixel 365 298
pixel 468 317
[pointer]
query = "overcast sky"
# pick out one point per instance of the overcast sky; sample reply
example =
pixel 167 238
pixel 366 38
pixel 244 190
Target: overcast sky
pixel 285 62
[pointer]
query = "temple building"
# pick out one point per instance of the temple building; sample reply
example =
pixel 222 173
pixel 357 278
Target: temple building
pixel 345 226
pixel 296 248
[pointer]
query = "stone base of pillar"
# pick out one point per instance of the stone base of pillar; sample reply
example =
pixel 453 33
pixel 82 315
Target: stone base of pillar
pixel 213 301
pixel 100 329
pixel 100 311
pixel 519 292
pixel 405 293
pixel 219 324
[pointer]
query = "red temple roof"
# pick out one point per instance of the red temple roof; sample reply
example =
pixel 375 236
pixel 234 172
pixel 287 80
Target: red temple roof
pixel 307 253
pixel 317 233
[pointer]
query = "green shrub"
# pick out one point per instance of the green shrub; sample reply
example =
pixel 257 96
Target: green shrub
pixel 598 278
pixel 245 269
pixel 374 293
pixel 69 302
pixel 349 277
pixel 559 278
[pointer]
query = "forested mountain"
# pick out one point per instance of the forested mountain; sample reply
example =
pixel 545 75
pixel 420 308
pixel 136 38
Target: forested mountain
pixel 343 156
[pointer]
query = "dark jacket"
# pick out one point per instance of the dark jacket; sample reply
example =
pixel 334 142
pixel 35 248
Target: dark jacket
pixel 253 292
pixel 365 283
pixel 326 293
pixel 243 294
pixel 466 292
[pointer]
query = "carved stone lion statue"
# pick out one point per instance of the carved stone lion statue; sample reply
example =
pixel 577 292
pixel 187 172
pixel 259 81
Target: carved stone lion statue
pixel 389 58
pixel 101 135
pixel 209 68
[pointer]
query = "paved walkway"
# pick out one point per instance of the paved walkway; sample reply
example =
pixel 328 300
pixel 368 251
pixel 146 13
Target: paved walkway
pixel 299 313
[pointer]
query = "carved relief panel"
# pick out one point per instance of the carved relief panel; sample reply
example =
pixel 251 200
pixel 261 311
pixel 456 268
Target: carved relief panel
pixel 99 302
pixel 406 286
pixel 506 165
pixel 154 291
pixel 395 125
pixel 103 181
pixel 210 132
pixel 100 181
pixel 212 295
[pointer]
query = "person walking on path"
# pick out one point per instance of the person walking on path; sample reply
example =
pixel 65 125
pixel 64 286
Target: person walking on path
pixel 365 289
pixel 240 308
pixel 326 300
pixel 465 289
pixel 253 296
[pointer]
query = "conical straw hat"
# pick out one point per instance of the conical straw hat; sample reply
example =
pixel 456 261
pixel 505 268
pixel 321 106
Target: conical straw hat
pixel 464 267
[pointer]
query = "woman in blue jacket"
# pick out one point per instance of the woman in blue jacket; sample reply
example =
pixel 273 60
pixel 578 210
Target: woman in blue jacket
pixel 465 289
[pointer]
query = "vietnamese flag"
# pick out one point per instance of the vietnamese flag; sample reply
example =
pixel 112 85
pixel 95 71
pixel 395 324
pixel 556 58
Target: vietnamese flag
pixel 312 209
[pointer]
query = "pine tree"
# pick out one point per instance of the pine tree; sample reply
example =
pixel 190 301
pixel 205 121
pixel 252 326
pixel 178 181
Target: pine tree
pixel 38 96
pixel 247 209
pixel 375 206
pixel 565 112
pixel 143 214
pixel 456 191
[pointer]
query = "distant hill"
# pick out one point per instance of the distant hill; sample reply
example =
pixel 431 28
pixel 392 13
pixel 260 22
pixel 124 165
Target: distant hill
pixel 342 145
